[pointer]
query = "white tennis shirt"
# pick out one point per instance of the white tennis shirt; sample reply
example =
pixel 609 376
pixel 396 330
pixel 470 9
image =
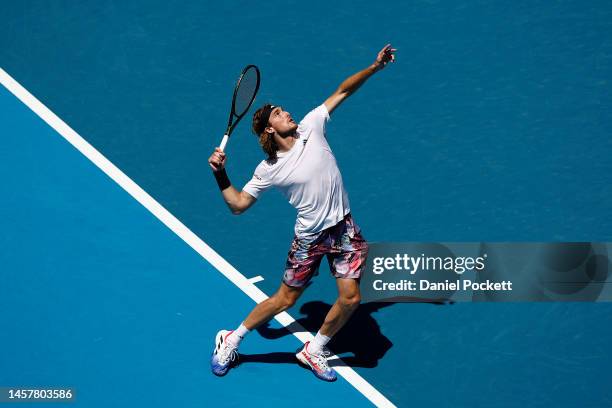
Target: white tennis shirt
pixel 308 176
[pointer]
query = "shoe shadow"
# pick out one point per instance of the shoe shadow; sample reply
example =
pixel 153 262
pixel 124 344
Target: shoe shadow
pixel 272 358
pixel 360 343
pixel 276 358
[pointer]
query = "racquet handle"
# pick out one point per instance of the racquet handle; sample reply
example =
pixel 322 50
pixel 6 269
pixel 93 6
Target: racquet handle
pixel 224 142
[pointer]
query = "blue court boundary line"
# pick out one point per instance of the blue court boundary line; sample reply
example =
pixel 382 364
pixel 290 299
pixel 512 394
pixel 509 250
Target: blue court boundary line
pixel 191 239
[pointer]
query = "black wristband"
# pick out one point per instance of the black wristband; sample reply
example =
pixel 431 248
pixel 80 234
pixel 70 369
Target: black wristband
pixel 222 179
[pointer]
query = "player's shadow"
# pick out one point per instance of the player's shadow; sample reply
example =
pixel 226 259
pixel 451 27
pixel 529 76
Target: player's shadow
pixel 360 343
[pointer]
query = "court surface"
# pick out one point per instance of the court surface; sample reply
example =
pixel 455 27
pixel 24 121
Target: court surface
pixel 493 125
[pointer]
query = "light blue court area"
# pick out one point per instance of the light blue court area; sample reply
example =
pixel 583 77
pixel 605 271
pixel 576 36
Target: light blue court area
pixel 98 295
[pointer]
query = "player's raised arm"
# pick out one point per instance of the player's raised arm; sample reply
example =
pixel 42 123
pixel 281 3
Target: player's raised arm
pixel 237 201
pixel 352 83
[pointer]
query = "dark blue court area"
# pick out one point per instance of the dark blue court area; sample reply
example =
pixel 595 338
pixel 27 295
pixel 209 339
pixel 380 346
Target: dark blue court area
pixel 493 125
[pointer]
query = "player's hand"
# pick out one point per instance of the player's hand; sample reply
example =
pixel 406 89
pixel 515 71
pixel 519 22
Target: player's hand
pixel 385 56
pixel 217 160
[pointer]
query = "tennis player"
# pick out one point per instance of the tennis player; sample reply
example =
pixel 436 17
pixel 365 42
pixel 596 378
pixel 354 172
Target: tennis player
pixel 301 165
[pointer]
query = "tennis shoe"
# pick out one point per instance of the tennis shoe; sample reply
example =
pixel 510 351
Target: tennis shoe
pixel 224 355
pixel 317 363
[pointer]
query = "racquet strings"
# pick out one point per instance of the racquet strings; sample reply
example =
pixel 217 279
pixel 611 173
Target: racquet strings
pixel 246 91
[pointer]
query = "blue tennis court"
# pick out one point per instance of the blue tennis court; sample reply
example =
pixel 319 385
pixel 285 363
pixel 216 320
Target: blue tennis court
pixel 493 125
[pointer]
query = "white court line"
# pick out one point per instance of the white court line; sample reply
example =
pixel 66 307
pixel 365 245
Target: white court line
pixel 179 228
pixel 256 279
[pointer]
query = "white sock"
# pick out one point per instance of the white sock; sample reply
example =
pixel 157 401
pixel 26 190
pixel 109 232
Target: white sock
pixel 318 343
pixel 238 335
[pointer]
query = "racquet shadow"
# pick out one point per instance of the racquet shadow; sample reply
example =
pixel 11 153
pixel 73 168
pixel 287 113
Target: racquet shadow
pixel 360 343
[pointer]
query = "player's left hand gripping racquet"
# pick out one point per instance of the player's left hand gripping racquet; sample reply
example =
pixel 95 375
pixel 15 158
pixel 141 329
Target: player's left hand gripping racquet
pixel 244 95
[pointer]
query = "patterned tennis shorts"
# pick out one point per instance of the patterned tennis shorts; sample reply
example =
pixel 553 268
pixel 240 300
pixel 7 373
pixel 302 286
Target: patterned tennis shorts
pixel 345 248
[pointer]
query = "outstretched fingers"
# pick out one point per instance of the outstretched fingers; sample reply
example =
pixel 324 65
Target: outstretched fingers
pixel 386 55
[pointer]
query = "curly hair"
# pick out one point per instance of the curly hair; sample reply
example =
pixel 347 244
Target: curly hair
pixel 266 140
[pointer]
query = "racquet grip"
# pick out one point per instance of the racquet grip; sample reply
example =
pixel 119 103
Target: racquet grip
pixel 224 142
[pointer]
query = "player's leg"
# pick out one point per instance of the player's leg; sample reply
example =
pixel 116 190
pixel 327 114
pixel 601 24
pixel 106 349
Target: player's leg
pixel 302 264
pixel 346 264
pixel 283 299
pixel 314 354
pixel 347 258
pixel 227 342
pixel 347 302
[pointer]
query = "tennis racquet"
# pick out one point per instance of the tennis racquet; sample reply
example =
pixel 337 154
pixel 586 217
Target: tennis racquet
pixel 244 95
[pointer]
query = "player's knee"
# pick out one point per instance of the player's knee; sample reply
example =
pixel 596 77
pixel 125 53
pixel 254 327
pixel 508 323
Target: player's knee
pixel 351 301
pixel 285 302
